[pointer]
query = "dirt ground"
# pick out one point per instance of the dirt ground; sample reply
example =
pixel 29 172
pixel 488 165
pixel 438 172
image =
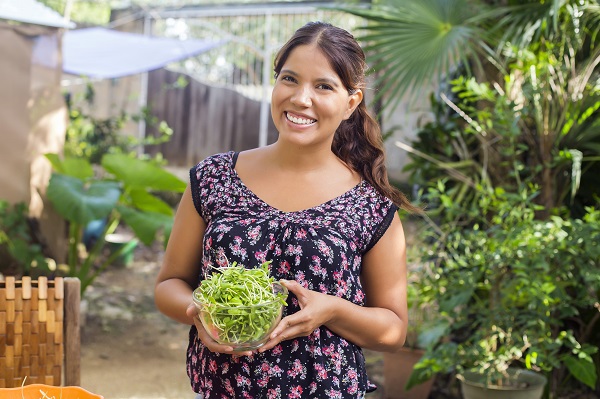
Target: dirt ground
pixel 130 350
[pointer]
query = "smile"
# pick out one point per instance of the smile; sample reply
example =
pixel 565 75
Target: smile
pixel 298 120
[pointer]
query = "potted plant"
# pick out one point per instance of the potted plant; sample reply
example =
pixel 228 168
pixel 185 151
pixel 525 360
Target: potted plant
pixel 509 296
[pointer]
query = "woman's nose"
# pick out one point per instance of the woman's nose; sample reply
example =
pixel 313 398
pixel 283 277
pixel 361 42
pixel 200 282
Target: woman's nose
pixel 302 97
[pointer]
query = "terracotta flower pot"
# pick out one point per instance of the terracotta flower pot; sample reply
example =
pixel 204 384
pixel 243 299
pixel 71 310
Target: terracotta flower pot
pixel 41 391
pixel 397 367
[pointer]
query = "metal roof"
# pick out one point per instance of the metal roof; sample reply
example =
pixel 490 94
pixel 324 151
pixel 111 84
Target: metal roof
pixel 32 12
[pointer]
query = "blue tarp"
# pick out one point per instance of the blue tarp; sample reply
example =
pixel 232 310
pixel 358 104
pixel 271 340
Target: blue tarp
pixel 105 53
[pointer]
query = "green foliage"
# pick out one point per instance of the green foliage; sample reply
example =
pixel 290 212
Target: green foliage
pixel 102 179
pixel 20 252
pixel 516 290
pixel 124 191
pixel 494 138
pixel 412 44
pixel 508 260
pixel 509 169
pixel 88 12
pixel 90 138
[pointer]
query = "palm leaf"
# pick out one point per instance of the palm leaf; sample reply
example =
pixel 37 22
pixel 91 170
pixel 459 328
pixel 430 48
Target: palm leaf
pixel 414 44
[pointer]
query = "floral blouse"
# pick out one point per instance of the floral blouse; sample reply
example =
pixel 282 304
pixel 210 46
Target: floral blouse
pixel 321 248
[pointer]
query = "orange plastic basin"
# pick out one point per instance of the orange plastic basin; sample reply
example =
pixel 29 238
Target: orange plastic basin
pixel 41 391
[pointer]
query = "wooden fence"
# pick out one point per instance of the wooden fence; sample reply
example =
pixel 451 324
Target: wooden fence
pixel 205 119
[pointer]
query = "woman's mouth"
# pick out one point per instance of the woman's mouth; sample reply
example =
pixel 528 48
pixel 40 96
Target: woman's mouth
pixel 298 120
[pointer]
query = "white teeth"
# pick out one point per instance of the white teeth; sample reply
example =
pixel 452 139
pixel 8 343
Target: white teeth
pixel 299 121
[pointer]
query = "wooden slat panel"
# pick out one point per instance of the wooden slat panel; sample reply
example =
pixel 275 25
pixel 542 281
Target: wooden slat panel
pixel 33 324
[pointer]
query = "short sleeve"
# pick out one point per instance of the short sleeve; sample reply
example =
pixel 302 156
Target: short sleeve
pixel 382 226
pixel 196 174
pixel 209 184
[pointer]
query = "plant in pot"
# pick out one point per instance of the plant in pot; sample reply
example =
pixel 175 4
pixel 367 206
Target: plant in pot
pixel 508 295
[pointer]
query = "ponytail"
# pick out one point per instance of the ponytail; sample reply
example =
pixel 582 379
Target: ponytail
pixel 358 142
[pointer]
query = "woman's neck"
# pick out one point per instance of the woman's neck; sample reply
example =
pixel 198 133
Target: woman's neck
pixel 301 159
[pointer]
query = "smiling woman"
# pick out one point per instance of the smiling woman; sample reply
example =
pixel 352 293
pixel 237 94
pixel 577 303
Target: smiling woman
pixel 317 208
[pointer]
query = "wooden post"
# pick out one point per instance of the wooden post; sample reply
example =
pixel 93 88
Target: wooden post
pixel 72 375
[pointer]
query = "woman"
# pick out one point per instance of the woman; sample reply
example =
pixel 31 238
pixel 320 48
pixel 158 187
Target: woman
pixel 318 204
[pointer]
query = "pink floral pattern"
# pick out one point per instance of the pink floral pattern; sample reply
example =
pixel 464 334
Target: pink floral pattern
pixel 321 248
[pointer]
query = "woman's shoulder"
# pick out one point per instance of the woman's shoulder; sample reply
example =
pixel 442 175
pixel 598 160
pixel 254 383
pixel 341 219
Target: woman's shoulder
pixel 216 164
pixel 371 194
pixel 221 158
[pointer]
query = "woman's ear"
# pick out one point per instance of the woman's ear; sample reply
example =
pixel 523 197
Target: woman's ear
pixel 353 100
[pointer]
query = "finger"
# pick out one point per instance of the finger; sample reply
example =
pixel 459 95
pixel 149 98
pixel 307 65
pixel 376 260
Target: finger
pixel 208 341
pixel 191 310
pixel 283 325
pixel 291 285
pixel 298 290
pixel 240 354
pixel 272 343
pixel 215 346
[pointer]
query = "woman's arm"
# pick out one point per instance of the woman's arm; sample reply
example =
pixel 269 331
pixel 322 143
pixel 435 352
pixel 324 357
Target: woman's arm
pixel 178 275
pixel 381 324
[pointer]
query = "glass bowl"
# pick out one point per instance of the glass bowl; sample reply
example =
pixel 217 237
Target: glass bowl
pixel 244 328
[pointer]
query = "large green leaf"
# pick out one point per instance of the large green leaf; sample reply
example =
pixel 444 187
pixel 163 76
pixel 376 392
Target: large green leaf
pixel 433 333
pixel 143 200
pixel 79 202
pixel 76 167
pixel 146 225
pixel 412 45
pixel 141 174
pixel 583 369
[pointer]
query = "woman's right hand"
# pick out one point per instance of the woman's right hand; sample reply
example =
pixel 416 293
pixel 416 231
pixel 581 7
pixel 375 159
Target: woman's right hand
pixel 208 342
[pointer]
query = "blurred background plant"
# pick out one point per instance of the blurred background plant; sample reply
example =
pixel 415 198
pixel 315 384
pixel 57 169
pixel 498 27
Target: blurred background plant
pixel 122 191
pixel 90 137
pixel 508 167
pixel 20 249
pixel 102 183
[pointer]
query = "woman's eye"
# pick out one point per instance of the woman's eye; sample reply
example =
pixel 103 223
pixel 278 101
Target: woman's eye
pixel 324 87
pixel 288 78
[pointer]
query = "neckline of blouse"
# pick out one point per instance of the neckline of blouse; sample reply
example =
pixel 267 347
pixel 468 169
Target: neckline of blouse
pixel 232 154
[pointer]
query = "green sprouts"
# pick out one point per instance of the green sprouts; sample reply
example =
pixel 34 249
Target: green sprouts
pixel 239 305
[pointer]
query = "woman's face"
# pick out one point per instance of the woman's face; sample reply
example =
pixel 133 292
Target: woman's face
pixel 309 100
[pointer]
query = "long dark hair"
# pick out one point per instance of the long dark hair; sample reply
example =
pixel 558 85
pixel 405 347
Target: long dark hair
pixel 357 140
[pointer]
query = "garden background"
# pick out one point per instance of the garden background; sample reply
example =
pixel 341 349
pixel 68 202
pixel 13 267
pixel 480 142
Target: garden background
pixel 490 118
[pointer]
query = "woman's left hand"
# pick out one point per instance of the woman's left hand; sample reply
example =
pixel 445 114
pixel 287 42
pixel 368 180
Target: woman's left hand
pixel 315 310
